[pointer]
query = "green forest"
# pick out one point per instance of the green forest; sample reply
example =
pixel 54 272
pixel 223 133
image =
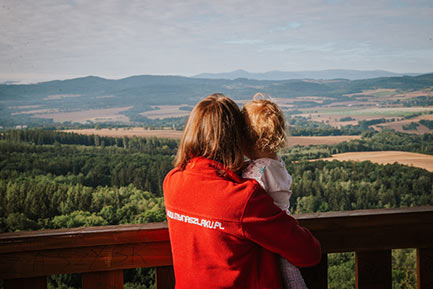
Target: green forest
pixel 51 179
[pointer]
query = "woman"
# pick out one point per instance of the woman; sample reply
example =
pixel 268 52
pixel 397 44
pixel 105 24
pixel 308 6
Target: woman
pixel 222 227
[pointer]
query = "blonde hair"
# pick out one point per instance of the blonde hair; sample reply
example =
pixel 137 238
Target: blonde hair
pixel 213 130
pixel 265 124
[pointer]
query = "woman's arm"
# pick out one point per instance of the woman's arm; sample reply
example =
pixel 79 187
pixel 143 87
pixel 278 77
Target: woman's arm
pixel 271 228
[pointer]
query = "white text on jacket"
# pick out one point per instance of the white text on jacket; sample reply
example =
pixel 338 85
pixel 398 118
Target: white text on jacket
pixel 196 221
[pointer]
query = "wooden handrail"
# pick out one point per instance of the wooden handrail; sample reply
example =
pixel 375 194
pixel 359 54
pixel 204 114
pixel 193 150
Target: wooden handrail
pixel 83 237
pixel 94 250
pixel 41 253
pixel 369 230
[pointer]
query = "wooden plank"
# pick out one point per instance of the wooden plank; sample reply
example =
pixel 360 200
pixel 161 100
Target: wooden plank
pixel 373 270
pixel 366 213
pixel 345 231
pixel 104 279
pixel 82 237
pixel 164 277
pixel 91 259
pixel 34 283
pixel 424 260
pixel 334 240
pixel 317 277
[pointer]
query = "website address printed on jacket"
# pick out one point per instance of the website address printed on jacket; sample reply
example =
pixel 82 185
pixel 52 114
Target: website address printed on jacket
pixel 196 221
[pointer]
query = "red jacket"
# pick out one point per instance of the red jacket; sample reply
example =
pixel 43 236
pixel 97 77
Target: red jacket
pixel 225 231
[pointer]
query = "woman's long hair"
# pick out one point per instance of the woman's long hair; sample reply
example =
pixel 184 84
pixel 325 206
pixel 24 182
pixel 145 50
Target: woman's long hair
pixel 214 130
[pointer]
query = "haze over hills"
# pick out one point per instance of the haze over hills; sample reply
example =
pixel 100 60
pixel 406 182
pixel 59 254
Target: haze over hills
pixel 321 74
pixel 137 94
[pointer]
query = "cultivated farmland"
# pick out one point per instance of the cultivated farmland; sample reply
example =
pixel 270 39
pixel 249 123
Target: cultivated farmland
pixel 388 157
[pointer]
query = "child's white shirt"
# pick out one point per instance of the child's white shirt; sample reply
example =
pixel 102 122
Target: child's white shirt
pixel 273 177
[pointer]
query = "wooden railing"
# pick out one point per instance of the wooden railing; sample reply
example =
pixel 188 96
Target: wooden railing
pixel 101 253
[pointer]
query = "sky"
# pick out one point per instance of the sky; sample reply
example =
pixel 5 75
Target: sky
pixel 59 39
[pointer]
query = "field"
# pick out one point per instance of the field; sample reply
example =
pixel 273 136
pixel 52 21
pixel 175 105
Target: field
pixel 401 109
pixel 319 140
pixel 333 115
pixel 381 92
pixel 165 111
pixel 94 115
pixel 393 105
pixel 398 125
pixel 388 157
pixel 130 132
pixel 369 105
pixel 37 111
pixel 376 111
pixel 168 133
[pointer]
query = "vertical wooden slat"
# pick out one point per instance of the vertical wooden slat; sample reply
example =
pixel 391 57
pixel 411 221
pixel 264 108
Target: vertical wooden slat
pixel 424 262
pixel 373 270
pixel 317 277
pixel 103 279
pixel 164 277
pixel 34 283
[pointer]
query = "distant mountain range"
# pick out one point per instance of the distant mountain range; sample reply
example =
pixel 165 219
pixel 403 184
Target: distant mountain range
pixel 154 90
pixel 321 74
pixel 143 92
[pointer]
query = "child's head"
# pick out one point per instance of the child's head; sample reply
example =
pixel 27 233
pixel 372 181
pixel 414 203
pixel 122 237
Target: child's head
pixel 265 125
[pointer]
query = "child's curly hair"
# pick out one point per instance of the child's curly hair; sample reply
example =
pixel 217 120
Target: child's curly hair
pixel 265 124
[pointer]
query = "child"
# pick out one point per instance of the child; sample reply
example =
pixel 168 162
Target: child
pixel 267 135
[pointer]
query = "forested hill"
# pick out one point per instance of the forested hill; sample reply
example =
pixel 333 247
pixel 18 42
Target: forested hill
pixel 149 89
pixel 52 179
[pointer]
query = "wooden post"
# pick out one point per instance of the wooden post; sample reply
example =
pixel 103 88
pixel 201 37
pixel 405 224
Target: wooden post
pixel 103 279
pixel 34 283
pixel 317 277
pixel 164 277
pixel 424 264
pixel 373 270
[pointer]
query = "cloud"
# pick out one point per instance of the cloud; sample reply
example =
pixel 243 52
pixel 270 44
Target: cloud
pixel 114 37
pixel 299 48
pixel 244 41
pixel 290 25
